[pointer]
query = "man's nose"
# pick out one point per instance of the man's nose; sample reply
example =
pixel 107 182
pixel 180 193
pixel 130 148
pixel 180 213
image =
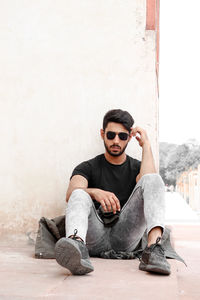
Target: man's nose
pixel 116 139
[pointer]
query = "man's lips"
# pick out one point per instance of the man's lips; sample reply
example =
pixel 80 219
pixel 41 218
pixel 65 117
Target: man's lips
pixel 115 148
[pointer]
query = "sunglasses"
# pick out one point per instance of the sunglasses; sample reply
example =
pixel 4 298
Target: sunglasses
pixel 122 135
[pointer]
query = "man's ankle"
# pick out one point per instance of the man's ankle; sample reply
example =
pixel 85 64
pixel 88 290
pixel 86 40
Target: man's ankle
pixel 155 233
pixel 77 238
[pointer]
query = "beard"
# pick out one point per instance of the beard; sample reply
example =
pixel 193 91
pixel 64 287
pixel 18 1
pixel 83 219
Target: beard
pixel 112 153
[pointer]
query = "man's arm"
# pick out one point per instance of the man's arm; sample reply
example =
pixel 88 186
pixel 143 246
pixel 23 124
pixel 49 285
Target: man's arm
pixel 147 163
pixel 77 182
pixel 107 200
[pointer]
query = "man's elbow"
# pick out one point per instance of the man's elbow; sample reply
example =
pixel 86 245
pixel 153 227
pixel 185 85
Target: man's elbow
pixel 68 194
pixel 138 177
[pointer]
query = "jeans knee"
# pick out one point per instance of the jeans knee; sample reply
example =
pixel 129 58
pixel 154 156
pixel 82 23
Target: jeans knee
pixel 154 179
pixel 79 192
pixel 79 199
pixel 80 195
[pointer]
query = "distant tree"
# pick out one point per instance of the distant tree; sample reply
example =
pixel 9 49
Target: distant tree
pixel 166 163
pixel 175 159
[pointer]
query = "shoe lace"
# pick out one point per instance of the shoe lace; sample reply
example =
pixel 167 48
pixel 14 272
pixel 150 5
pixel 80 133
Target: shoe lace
pixel 75 237
pixel 157 246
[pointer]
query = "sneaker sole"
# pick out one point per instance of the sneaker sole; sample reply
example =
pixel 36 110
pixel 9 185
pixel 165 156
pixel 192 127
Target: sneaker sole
pixel 153 269
pixel 69 257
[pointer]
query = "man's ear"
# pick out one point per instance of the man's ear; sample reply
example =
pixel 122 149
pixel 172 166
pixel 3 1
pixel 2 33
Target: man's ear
pixel 102 133
pixel 131 133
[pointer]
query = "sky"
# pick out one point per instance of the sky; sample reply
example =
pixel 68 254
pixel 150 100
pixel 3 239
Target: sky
pixel 179 80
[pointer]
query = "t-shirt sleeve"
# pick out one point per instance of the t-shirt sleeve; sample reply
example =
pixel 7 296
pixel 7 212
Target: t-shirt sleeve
pixel 83 169
pixel 138 165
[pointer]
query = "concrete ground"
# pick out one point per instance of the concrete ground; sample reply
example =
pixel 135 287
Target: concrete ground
pixel 24 277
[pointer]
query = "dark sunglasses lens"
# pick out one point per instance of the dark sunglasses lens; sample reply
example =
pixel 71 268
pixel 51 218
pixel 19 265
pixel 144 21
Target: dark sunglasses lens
pixel 123 136
pixel 110 135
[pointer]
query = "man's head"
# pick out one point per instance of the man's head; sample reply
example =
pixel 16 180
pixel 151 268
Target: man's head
pixel 116 132
pixel 118 116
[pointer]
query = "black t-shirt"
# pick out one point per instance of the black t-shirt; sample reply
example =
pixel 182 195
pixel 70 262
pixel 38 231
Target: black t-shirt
pixel 118 179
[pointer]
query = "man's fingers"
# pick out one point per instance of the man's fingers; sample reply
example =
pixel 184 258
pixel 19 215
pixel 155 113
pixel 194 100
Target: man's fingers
pixel 138 138
pixel 103 205
pixel 138 130
pixel 113 204
pixel 134 131
pixel 117 203
pixel 110 202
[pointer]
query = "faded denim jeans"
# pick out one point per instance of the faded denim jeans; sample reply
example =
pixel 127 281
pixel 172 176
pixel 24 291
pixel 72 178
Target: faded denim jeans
pixel 145 209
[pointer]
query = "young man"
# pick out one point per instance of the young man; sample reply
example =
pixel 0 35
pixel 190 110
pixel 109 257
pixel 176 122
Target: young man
pixel 129 192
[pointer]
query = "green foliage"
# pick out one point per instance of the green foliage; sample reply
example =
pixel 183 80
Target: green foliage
pixel 175 159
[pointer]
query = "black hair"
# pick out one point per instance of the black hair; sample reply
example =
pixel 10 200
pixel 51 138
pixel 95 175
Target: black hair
pixel 118 116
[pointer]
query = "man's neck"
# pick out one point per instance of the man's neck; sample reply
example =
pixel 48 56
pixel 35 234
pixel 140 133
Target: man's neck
pixel 115 160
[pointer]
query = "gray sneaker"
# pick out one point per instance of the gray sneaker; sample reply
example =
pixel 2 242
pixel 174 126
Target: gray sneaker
pixel 153 259
pixel 73 255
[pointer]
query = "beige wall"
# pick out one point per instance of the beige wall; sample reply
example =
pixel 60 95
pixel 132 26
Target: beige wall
pixel 63 65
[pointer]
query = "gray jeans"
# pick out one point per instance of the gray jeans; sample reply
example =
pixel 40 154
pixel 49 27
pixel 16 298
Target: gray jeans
pixel 145 209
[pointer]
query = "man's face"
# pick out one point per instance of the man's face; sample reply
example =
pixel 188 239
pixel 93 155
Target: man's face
pixel 115 146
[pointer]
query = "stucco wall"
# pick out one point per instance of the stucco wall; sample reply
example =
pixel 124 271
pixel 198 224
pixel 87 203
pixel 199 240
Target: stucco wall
pixel 63 65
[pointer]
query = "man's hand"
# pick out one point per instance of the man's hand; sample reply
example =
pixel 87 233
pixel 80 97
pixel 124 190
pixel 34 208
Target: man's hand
pixel 108 200
pixel 147 163
pixel 141 136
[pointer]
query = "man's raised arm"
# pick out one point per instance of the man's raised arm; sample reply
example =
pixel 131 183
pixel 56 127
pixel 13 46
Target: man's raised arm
pixel 147 163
